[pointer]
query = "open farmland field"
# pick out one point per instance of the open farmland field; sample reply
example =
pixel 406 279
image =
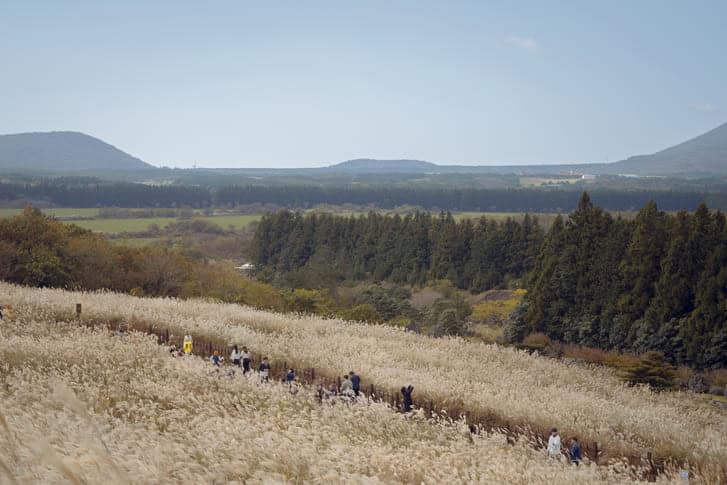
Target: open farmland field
pixel 90 220
pixel 134 224
pixel 494 385
pixel 538 181
pixel 142 224
pixel 82 405
pixel 56 212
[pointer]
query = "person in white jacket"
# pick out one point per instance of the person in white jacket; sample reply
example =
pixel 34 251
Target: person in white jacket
pixel 554 444
pixel 235 356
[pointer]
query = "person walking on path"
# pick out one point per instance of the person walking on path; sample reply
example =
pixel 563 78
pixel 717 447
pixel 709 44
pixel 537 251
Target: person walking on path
pixel 264 369
pixel 347 387
pixel 216 359
pixel 406 398
pixel 245 360
pixel 235 356
pixel 187 346
pixel 554 444
pixel 355 383
pixel 575 452
pixel 290 376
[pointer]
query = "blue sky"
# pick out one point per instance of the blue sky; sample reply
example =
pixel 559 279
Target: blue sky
pixel 313 83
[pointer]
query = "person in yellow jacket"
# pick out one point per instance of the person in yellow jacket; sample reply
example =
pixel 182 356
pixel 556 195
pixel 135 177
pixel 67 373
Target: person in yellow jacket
pixel 187 347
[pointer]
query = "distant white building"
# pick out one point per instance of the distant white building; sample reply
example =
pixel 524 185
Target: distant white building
pixel 247 267
pixel 587 176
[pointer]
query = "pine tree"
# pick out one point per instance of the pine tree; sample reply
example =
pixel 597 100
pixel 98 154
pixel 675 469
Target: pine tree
pixel 642 263
pixel 705 331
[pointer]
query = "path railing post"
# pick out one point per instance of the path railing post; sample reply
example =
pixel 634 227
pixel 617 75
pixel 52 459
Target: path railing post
pixel 78 311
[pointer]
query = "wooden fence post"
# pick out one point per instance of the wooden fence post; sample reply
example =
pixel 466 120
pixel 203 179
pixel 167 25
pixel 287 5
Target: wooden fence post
pixel 373 391
pixel 595 452
pixel 312 374
pixel 78 311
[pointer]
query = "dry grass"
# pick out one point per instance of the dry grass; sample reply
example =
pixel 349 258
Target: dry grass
pixel 82 406
pixel 485 379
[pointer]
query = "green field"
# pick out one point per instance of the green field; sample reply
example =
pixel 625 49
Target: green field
pixel 237 221
pixel 58 212
pixel 141 224
pixel 135 224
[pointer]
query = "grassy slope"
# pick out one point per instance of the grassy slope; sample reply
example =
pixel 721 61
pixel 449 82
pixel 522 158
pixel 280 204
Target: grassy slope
pixel 486 380
pixel 84 406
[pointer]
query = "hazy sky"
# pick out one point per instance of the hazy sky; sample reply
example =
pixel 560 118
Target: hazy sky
pixel 307 83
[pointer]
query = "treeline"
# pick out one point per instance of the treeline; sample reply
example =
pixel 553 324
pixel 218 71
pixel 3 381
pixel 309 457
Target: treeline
pixel 93 193
pixel 36 250
pixel 321 249
pixel 656 283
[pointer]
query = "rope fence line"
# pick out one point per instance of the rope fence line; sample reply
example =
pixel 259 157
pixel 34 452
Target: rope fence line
pixel 205 347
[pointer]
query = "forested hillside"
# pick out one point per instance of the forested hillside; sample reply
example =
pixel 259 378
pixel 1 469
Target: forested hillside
pixel 658 282
pixel 323 249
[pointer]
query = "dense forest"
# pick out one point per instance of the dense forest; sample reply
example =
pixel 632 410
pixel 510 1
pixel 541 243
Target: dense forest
pixel 322 249
pixel 658 282
pixel 90 192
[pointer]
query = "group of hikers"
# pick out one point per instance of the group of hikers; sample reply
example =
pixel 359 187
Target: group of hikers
pixel 350 389
pixel 555 447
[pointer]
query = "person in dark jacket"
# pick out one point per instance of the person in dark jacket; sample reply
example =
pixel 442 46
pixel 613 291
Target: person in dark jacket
pixel 264 369
pixel 355 383
pixel 575 452
pixel 245 360
pixel 406 394
pixel 290 376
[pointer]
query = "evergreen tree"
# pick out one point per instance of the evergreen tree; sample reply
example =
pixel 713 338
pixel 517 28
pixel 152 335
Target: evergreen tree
pixel 641 265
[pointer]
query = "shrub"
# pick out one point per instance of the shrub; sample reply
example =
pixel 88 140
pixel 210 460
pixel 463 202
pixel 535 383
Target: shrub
pixel 514 327
pixel 717 377
pixel 651 369
pixel 361 313
pixel 447 316
pixel 537 341
pixel 400 321
pixel 301 300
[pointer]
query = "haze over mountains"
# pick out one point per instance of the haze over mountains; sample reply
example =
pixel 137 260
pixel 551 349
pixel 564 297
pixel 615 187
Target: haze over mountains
pixel 72 151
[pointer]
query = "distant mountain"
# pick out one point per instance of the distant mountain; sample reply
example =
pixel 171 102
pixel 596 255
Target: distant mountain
pixel 705 154
pixel 368 165
pixel 63 151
